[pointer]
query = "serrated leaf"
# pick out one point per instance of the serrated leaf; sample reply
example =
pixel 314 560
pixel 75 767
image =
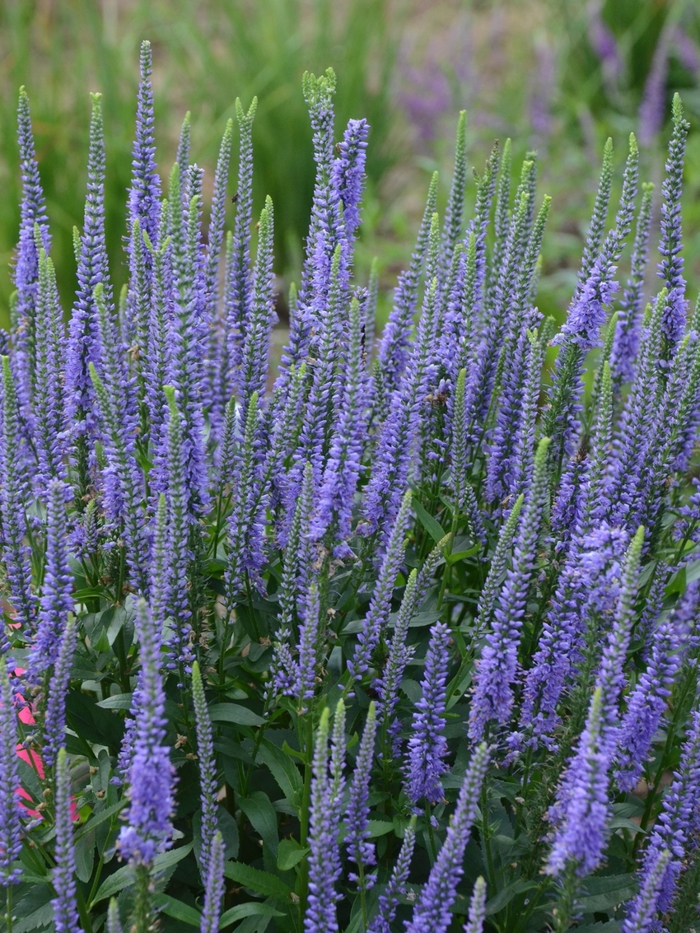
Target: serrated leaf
pixel 123 876
pixel 607 892
pixel 235 713
pixel 85 856
pixel 283 769
pixel 118 701
pixel 177 909
pixel 506 895
pixel 251 909
pixel 262 882
pixel 97 818
pixel 431 525
pixel 290 853
pixel 380 828
pixel 34 910
pixel 263 818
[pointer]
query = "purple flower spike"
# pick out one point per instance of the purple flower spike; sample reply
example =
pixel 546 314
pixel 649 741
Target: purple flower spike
pixel 641 915
pixel 148 830
pixel 324 858
pixel 427 747
pixel 671 265
pixel 347 176
pixel 396 885
pixel 493 694
pixel 309 648
pixel 344 460
pixel 13 503
pixel 84 340
pixel 144 193
pixel 207 774
pixel 55 718
pixel 57 588
pixel 648 702
pixel 583 809
pixel 214 890
pixel 357 839
pixel 432 913
pixel 477 908
pixel 65 914
pixel 10 808
pixel 49 435
pixel 678 821
pixel 379 610
pixel 26 271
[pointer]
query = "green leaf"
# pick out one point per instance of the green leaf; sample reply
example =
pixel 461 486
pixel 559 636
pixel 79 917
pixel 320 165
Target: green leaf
pixel 91 723
pixel 262 882
pixel 431 525
pixel 283 769
pixel 380 828
pixel 506 895
pixel 118 701
pixel 123 876
pixel 94 821
pixel 85 856
pixel 290 854
pixel 233 712
pixel 456 556
pixel 263 818
pixel 177 909
pixel 607 892
pixel 251 909
pixel 34 910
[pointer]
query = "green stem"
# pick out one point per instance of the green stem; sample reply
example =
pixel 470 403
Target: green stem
pixel 143 913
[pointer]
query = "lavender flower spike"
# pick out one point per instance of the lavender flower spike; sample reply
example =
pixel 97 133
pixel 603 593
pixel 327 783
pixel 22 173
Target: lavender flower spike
pixel 148 830
pixel 432 912
pixel 677 820
pixel 65 915
pixel 396 885
pixel 380 606
pixel 477 908
pixel 357 841
pixel 84 342
pixel 13 503
pixel 144 193
pixel 48 396
pixel 648 702
pixel 582 809
pixel 642 913
pixel 671 265
pixel 114 924
pixel 493 694
pixel 57 588
pixel 309 647
pixel 207 772
pixel 55 718
pixel 324 858
pixel 427 746
pixel 347 175
pixel 214 890
pixel 26 271
pixel 10 808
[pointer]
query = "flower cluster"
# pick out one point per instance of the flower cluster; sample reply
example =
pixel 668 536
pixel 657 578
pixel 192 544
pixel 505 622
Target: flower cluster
pixel 401 636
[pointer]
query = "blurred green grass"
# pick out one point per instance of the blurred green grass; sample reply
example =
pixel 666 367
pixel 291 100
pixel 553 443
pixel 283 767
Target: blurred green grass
pixel 529 69
pixel 205 55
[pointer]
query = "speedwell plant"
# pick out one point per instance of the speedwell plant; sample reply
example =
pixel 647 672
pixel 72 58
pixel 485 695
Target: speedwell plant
pixel 403 636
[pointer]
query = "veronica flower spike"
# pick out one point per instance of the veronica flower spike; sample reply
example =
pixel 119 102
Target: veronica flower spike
pixel 26 271
pixel 396 886
pixel 357 839
pixel 207 772
pixel 214 891
pixel 10 808
pixel 432 912
pixel 477 908
pixel 65 914
pixel 427 746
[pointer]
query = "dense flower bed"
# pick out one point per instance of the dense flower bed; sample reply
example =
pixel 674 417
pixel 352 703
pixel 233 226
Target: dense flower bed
pixel 404 638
